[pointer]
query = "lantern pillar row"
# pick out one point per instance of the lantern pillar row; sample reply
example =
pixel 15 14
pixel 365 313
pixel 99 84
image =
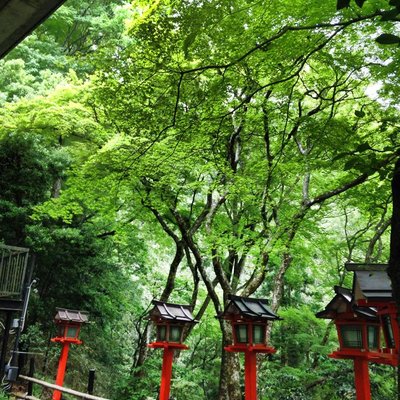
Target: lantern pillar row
pixel 170 321
pixel 166 374
pixel 361 379
pixel 250 365
pixel 360 315
pixel 69 323
pixel 249 318
pixel 250 377
pixel 62 365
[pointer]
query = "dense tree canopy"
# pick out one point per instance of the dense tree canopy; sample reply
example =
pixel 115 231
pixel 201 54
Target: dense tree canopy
pixel 191 150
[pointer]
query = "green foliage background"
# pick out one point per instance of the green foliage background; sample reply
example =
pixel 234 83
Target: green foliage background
pixel 190 150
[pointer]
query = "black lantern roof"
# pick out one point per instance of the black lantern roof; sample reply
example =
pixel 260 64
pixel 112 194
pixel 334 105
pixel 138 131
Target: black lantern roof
pixel 344 302
pixel 339 304
pixel 371 282
pixel 172 312
pixel 65 315
pixel 247 307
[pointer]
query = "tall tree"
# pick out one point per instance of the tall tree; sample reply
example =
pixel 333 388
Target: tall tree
pixel 221 135
pixel 228 137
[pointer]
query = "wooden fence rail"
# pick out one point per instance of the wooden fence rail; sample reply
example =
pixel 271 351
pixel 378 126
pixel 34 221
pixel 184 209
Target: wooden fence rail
pixel 24 396
pixel 62 389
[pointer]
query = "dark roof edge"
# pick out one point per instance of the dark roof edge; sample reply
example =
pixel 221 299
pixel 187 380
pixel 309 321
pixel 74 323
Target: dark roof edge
pixel 69 309
pixel 22 35
pixel 187 306
pixel 236 297
pixel 365 267
pixel 323 314
pixel 269 315
pixel 342 290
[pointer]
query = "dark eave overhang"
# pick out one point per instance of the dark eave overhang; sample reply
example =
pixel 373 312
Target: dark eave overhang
pixel 343 304
pixel 18 18
pixel 365 267
pixel 172 312
pixel 256 309
pixel 66 315
pixel 371 282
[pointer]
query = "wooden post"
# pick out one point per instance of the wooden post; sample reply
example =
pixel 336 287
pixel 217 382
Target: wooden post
pixel 250 377
pixel 30 374
pixel 62 365
pixel 166 373
pixel 90 387
pixel 6 336
pixel 361 379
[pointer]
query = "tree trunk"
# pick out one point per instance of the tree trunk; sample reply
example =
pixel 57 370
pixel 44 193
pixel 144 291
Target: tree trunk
pixel 277 290
pixel 141 352
pixel 56 189
pixel 394 261
pixel 173 269
pixel 229 383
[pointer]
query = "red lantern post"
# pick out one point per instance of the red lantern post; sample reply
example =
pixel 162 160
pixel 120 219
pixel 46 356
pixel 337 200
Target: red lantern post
pixel 69 323
pixel 358 333
pixel 170 321
pixel 362 315
pixel 361 379
pixel 249 318
pixel 372 288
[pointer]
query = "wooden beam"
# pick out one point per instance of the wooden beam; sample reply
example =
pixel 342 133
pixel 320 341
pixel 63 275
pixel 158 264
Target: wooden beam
pixel 18 249
pixel 61 389
pixel 24 396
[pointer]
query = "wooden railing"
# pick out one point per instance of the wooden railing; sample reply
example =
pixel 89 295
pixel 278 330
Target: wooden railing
pixel 13 265
pixel 62 389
